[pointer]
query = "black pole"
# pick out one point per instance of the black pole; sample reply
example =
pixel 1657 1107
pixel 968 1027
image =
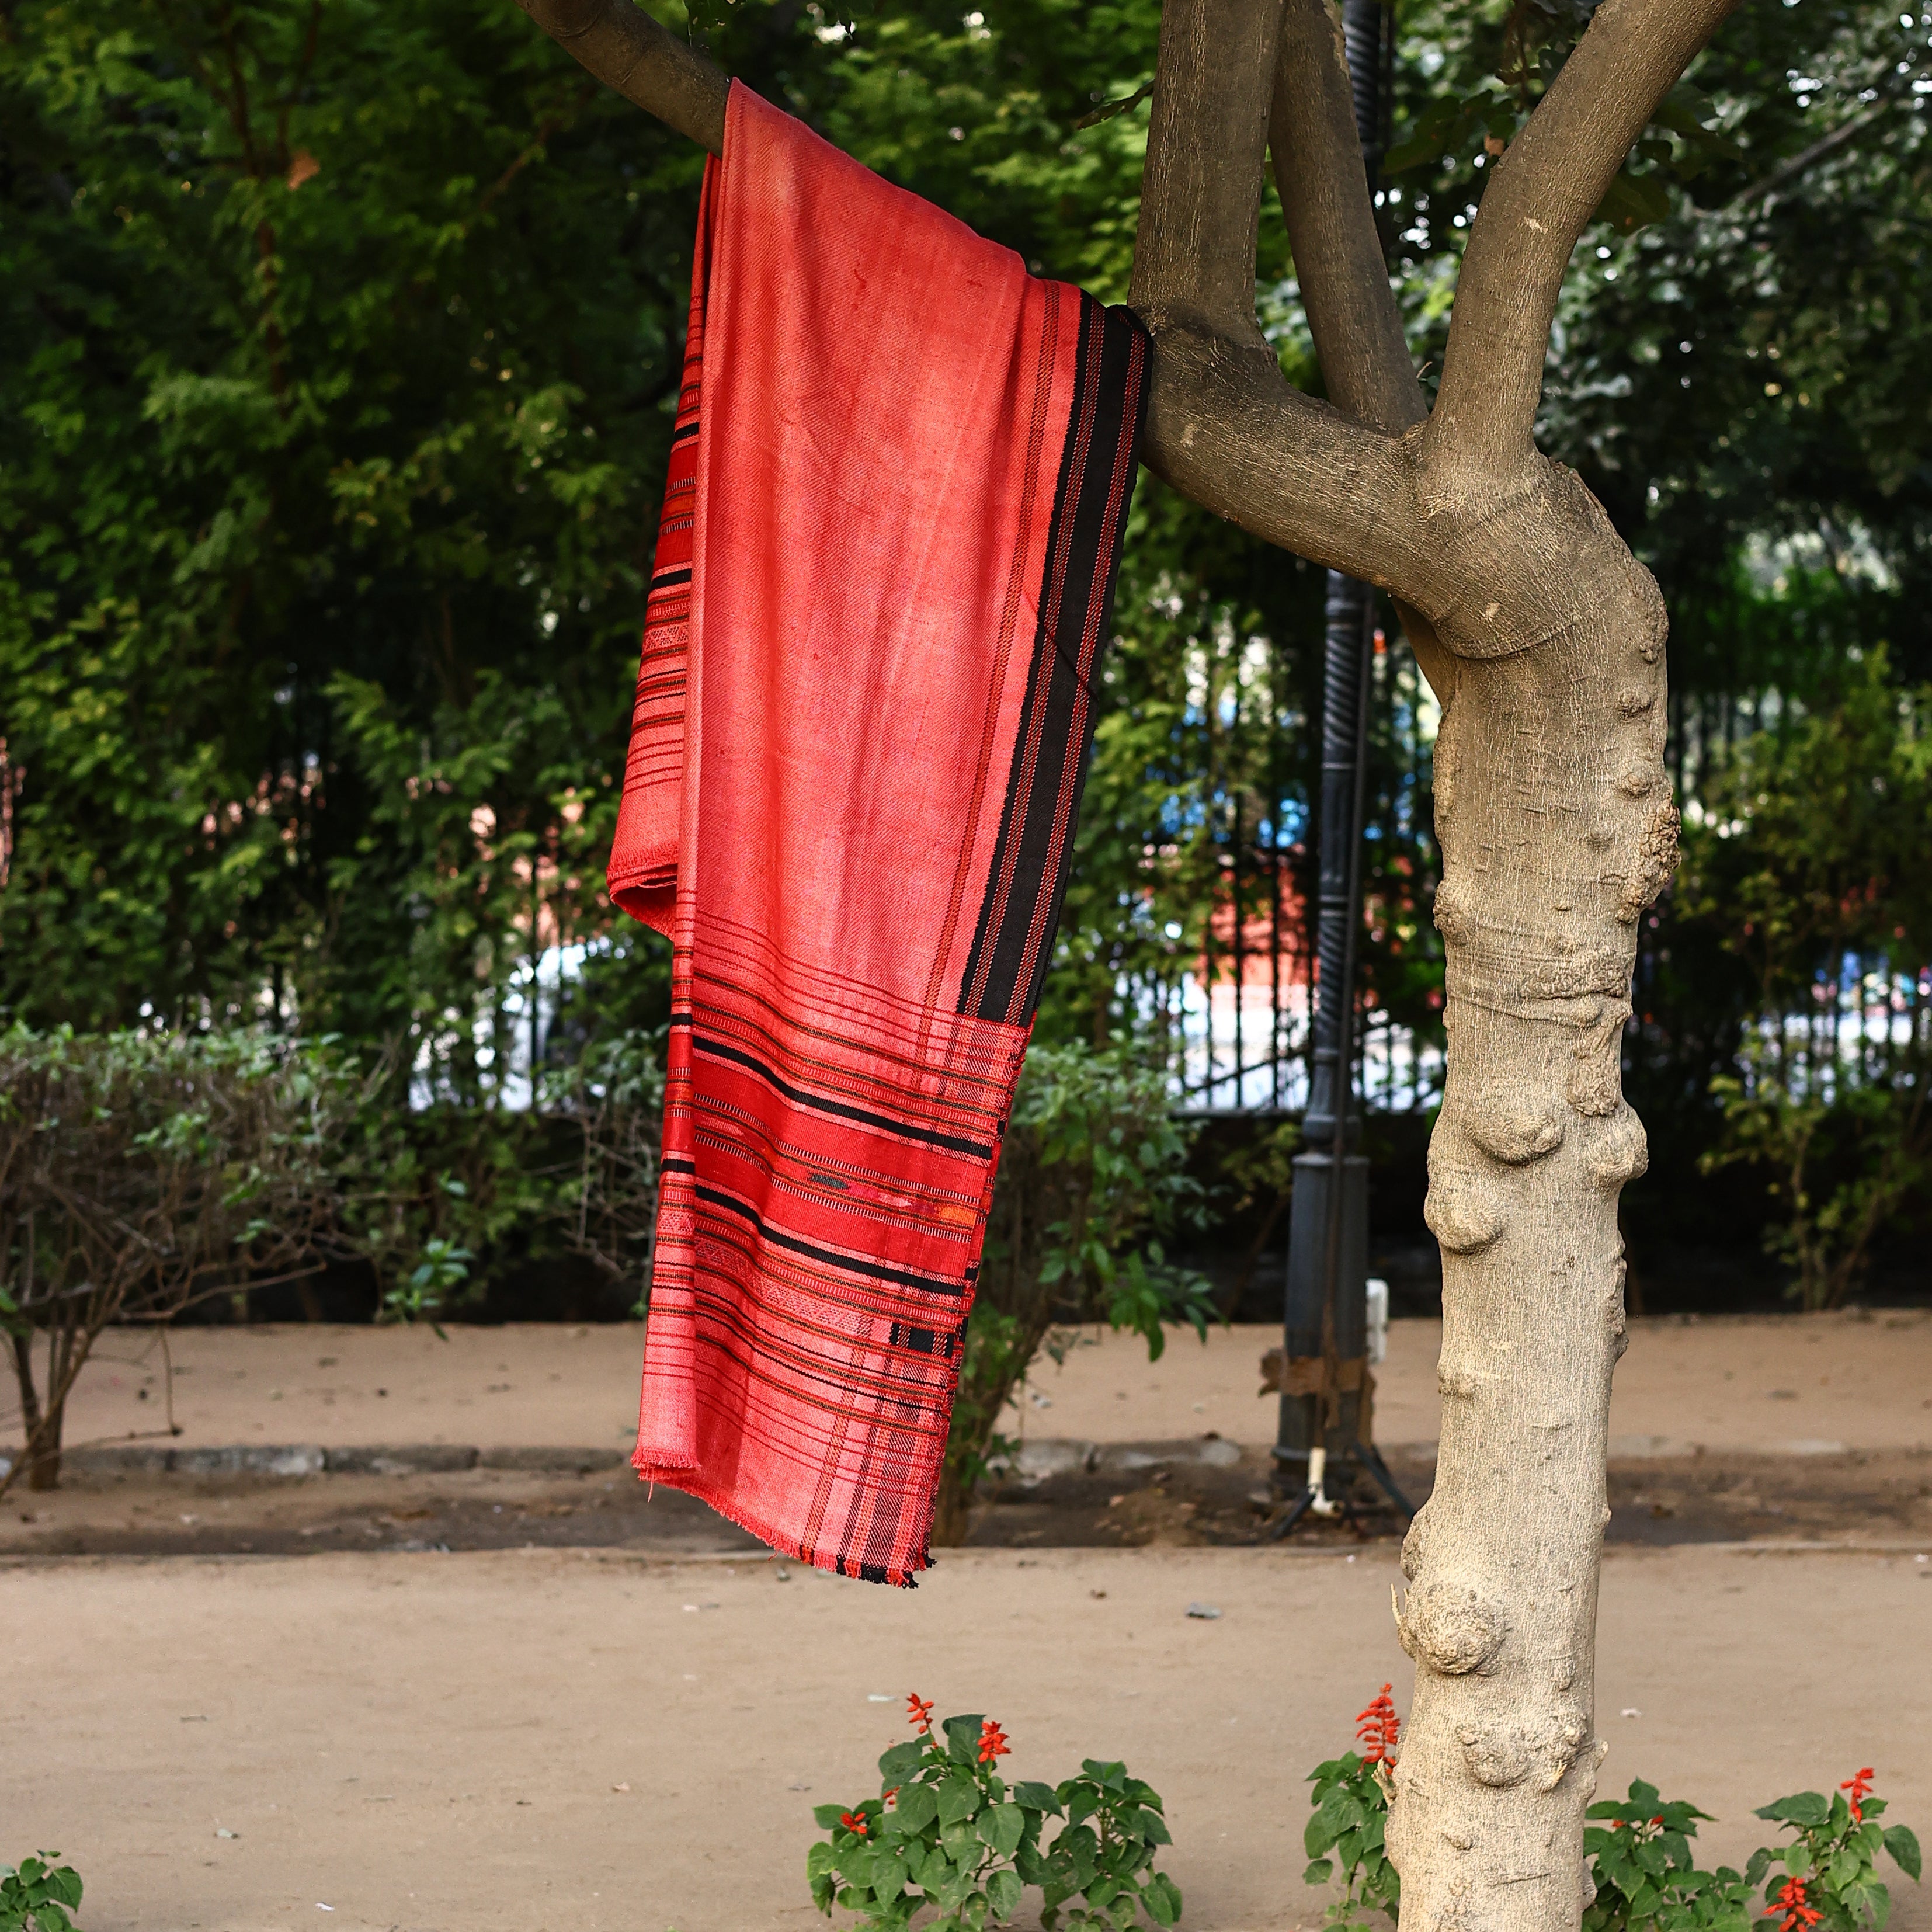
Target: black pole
pixel 1325 1316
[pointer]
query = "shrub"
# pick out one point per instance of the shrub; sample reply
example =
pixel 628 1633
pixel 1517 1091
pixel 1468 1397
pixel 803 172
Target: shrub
pixel 139 1172
pixel 948 1833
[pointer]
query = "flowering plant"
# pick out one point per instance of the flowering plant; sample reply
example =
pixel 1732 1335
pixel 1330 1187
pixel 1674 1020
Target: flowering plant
pixel 1644 1876
pixel 1830 1877
pixel 948 1831
pixel 1350 1801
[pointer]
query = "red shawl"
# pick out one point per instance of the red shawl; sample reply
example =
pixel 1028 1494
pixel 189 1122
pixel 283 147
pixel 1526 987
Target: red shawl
pixel 899 484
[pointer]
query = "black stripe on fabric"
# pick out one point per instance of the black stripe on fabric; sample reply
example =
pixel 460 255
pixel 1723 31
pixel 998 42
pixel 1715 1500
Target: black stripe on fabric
pixel 952 1143
pixel 689 429
pixel 920 1341
pixel 680 575
pixel 831 1257
pixel 1002 980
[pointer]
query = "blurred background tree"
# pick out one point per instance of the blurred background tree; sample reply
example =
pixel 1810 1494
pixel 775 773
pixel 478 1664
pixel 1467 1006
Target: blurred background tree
pixel 342 349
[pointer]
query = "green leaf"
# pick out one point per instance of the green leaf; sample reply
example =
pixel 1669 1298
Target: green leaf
pixel 962 1737
pixel 958 1798
pixel 1162 1897
pixel 915 1808
pixel 902 1762
pixel 1037 1797
pixel 1803 1808
pixel 1319 1872
pixel 819 1859
pixel 1900 1842
pixel 1003 1890
pixel 1002 1826
pixel 1439 126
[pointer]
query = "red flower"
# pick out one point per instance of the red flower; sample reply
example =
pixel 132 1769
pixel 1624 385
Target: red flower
pixel 1377 1728
pixel 1798 1917
pixel 919 1714
pixel 854 1822
pixel 890 1796
pixel 1859 1785
pixel 992 1741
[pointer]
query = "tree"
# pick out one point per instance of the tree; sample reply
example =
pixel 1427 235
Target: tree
pixel 1542 637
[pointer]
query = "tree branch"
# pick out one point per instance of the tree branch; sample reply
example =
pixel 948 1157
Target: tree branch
pixel 1200 196
pixel 1224 426
pixel 1331 226
pixel 1537 204
pixel 626 49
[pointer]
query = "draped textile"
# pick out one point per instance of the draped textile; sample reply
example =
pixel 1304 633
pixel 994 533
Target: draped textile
pixel 898 483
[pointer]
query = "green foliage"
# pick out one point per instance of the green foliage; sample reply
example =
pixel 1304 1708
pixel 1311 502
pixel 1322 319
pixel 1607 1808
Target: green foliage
pixel 1810 851
pixel 949 1835
pixel 1645 1877
pixel 343 348
pixel 1091 1185
pixel 38 1895
pixel 140 1171
pixel 1351 1810
pixel 1835 1851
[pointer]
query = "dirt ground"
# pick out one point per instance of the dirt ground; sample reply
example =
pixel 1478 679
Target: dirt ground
pixel 493 1619
pixel 555 1740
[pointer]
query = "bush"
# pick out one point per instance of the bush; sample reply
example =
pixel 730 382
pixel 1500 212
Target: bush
pixel 140 1172
pixel 947 1832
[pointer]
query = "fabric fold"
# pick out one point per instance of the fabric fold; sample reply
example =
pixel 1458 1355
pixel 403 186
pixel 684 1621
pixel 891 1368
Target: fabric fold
pixel 898 490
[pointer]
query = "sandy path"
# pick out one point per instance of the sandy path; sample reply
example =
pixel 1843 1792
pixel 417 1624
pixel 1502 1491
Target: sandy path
pixel 429 1744
pixel 1749 1383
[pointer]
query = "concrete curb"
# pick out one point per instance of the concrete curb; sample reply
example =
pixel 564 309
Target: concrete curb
pixel 1035 1461
pixel 310 1459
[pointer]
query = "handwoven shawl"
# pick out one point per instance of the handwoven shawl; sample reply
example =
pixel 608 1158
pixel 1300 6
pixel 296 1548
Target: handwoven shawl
pixel 898 487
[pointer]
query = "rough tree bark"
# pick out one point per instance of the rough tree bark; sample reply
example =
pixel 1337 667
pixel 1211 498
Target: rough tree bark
pixel 1542 637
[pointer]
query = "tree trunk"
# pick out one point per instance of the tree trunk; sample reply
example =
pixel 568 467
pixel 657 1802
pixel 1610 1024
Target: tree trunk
pixel 1556 830
pixel 40 1427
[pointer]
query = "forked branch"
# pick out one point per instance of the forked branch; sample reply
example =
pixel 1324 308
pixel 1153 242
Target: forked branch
pixel 1224 426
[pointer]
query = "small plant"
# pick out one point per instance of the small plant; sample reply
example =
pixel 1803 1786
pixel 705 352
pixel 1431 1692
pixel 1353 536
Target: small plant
pixel 37 1897
pixel 444 1268
pixel 947 1832
pixel 1350 1801
pixel 1643 1877
pixel 1832 1867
